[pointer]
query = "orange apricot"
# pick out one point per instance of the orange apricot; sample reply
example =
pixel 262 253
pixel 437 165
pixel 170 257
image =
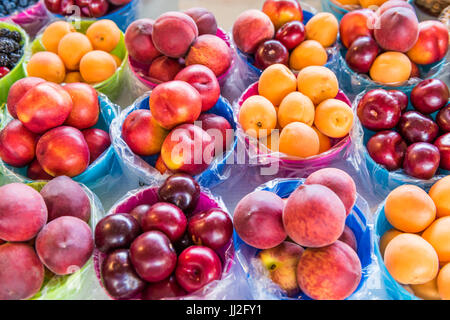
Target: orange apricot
pixel 443 282
pixel 72 47
pixel 300 140
pixel 322 27
pixel 257 116
pixel 440 193
pixel 276 82
pixel 104 35
pixel 391 67
pixel 386 238
pixel 438 235
pixel 54 33
pixel 46 65
pixel 308 53
pixel 334 118
pixel 296 107
pixel 324 141
pixel 97 66
pixel 318 83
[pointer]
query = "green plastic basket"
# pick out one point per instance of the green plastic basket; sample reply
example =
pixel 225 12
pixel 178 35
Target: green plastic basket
pixel 111 86
pixel 18 72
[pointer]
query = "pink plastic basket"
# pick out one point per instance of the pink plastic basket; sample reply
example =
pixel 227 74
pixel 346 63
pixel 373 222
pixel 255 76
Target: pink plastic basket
pixel 32 19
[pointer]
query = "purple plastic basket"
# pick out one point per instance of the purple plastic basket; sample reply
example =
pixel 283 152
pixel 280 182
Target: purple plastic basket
pixel 32 19
pixel 338 145
pixel 140 70
pixel 150 196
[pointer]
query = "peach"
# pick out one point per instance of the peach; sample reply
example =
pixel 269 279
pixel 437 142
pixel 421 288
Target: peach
pixel 427 290
pixel 142 133
pixel 72 47
pixel 22 212
pixel 281 12
pixel 329 273
pixel 35 171
pixel 386 238
pixel 349 238
pixel 260 210
pixel 63 151
pixel 432 43
pixel 322 27
pixel 299 140
pixel 397 29
pixel 45 106
pixel 164 69
pixel 334 118
pixel 257 116
pixel 139 43
pixel 438 235
pixel 338 181
pixel 98 142
pixel 17 144
pixel 305 212
pixel 391 67
pixel 175 102
pixel 65 197
pixel 393 4
pixel 173 33
pixel 281 262
pixel 21 272
pixel 204 19
pixel 296 107
pixel 318 83
pixel 276 82
pixel 251 28
pixel 439 193
pixel 204 80
pixel 411 260
pixel 443 282
pixel 409 209
pixel 65 244
pixel 356 24
pixel 85 109
pixel 18 90
pixel 308 53
pixel 211 51
pixel 46 65
pixel 187 148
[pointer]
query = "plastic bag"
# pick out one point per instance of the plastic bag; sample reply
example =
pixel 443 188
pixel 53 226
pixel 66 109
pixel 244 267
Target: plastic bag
pixel 228 287
pixel 18 72
pixel 82 284
pixel 260 284
pixel 142 168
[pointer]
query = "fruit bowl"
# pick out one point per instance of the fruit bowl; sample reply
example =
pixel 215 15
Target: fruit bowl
pixel 105 165
pixel 144 167
pixel 111 87
pixel 356 221
pixel 122 16
pixel 149 195
pixel 18 72
pixel 265 155
pixel 32 19
pixel 140 70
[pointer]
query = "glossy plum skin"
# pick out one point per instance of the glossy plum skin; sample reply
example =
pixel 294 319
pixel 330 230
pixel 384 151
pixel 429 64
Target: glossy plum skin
pixel 139 212
pixel 119 277
pixel 443 118
pixel 443 144
pixel 181 190
pixel 271 52
pixel 421 160
pixel 212 228
pixel 429 95
pixel 401 97
pixel 361 54
pixel 166 218
pixel 388 149
pixel 415 127
pixel 167 288
pixel 116 231
pixel 291 34
pixel 378 110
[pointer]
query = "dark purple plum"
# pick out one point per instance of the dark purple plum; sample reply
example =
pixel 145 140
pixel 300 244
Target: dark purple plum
pixel 271 52
pixel 167 288
pixel 361 54
pixel 401 97
pixel 167 218
pixel 388 149
pixel 443 144
pixel 415 127
pixel 291 34
pixel 181 190
pixel 421 160
pixel 429 95
pixel 116 231
pixel 378 110
pixel 443 118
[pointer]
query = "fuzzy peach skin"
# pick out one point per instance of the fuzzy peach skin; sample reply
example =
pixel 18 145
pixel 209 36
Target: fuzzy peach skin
pixel 17 144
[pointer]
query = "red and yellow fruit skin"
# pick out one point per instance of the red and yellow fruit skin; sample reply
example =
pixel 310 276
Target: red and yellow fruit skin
pixel 281 12
pixel 432 44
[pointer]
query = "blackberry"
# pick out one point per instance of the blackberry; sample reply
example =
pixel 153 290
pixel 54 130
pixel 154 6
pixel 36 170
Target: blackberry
pixel 8 45
pixel 4 60
pixel 16 36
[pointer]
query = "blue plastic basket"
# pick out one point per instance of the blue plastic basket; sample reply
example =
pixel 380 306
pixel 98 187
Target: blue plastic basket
pixel 356 221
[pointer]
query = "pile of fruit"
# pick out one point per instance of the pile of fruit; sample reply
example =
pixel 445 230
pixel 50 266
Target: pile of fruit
pixel 356 4
pixel 87 8
pixel 277 35
pixel 176 40
pixel 52 130
pixel 72 56
pixel 164 248
pixel 309 119
pixel 390 43
pixel 47 228
pixel 421 143
pixel 329 267
pixel 168 125
pixel 8 7
pixel 11 50
pixel 416 251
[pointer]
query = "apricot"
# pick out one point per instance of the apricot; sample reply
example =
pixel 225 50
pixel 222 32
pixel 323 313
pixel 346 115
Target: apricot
pixel 296 107
pixel 411 260
pixel 440 192
pixel 54 33
pixel 276 82
pixel 117 60
pixel 324 141
pixel 443 282
pixel 272 141
pixel 72 47
pixel 104 35
pixel 318 83
pixel 322 27
pixel 46 65
pixel 308 53
pixel 257 116
pixel 391 67
pixel 386 238
pixel 438 235
pixel 334 118
pixel 97 66
pixel 409 209
pixel 73 76
pixel 348 2
pixel 368 3
pixel 299 139
pixel 427 290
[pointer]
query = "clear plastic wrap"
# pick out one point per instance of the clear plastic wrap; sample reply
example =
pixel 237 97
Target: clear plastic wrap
pixel 260 284
pixel 230 286
pixel 142 168
pixel 81 285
